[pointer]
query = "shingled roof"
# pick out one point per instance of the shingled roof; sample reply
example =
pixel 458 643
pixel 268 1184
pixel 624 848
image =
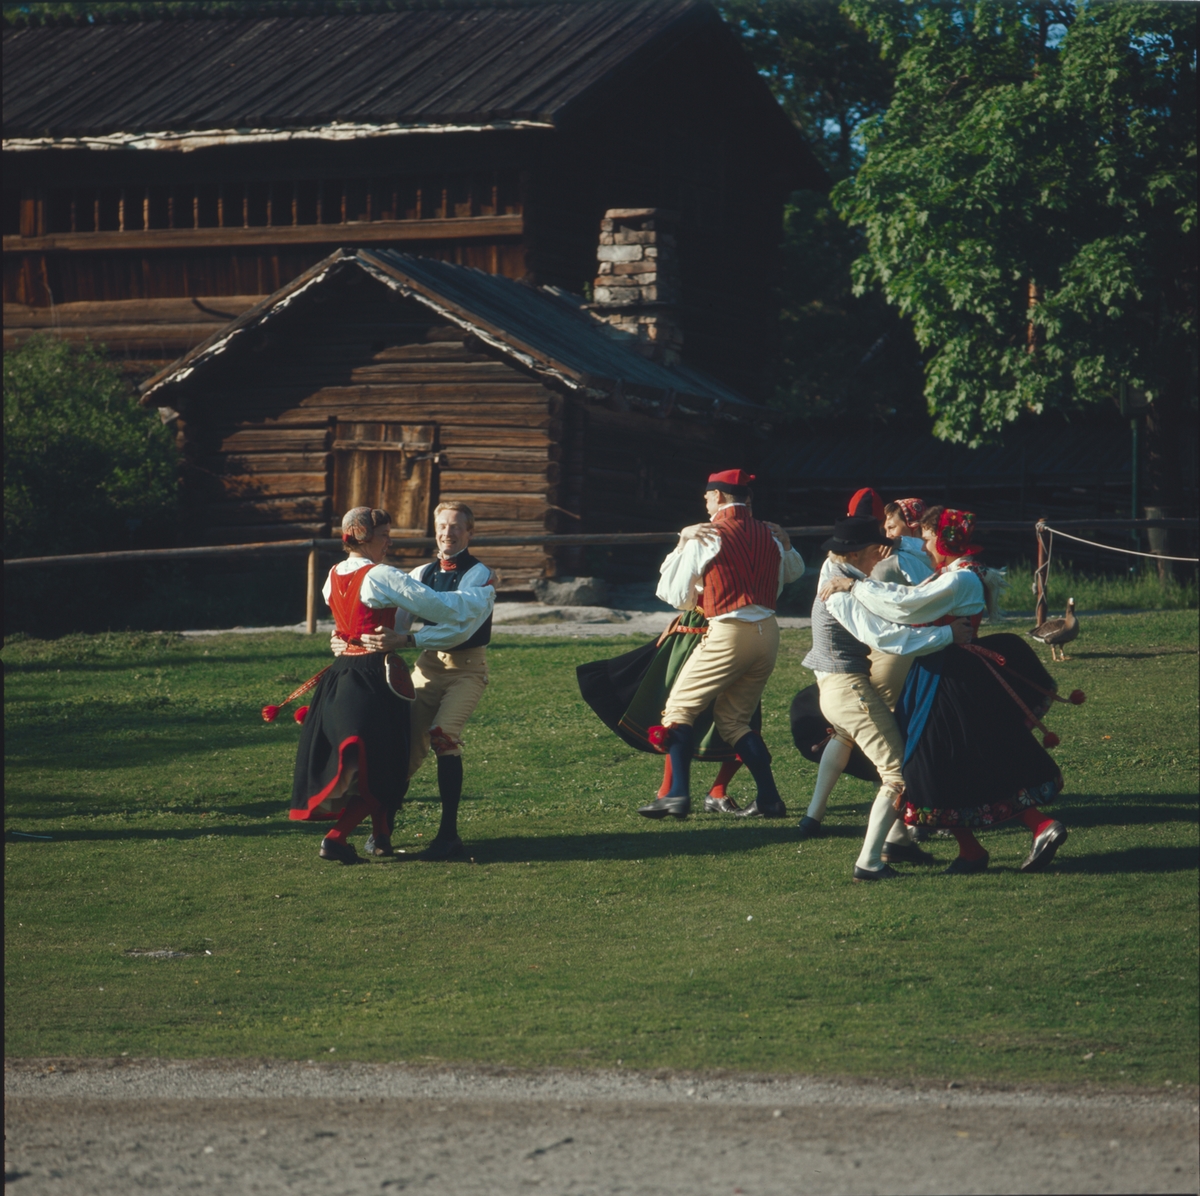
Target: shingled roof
pixel 470 66
pixel 541 329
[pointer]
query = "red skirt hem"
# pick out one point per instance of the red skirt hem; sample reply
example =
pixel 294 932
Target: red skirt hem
pixel 311 812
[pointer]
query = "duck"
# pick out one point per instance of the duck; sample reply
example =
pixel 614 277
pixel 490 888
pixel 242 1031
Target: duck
pixel 1057 632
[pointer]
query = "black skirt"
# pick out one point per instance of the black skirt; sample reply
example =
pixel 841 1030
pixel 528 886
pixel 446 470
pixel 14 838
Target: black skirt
pixel 352 705
pixel 810 734
pixel 971 759
pixel 629 692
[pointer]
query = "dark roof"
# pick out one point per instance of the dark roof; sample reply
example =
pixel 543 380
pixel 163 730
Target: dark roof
pixel 552 334
pixel 422 66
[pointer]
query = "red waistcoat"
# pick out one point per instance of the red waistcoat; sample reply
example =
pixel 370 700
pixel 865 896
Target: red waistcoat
pixel 746 570
pixel 352 618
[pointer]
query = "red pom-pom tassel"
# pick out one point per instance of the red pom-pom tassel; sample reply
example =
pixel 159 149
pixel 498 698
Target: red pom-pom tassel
pixel 270 713
pixel 1050 740
pixel 659 737
pixel 1077 698
pixel 301 714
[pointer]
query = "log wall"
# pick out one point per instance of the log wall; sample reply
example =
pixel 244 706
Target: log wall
pixel 260 437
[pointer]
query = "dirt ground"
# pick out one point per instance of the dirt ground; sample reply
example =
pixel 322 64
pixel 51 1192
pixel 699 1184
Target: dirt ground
pixel 89 1128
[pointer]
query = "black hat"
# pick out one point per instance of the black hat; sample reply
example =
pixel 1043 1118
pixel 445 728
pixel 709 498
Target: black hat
pixel 853 533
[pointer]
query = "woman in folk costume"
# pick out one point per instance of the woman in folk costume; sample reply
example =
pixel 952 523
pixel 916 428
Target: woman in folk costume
pixel 905 563
pixel 352 759
pixel 967 712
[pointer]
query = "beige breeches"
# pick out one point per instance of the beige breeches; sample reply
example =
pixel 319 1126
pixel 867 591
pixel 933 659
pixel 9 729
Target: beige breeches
pixel 858 714
pixel 449 686
pixel 888 673
pixel 729 669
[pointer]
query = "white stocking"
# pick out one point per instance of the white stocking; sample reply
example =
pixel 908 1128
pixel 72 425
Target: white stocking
pixel 898 833
pixel 883 815
pixel 834 759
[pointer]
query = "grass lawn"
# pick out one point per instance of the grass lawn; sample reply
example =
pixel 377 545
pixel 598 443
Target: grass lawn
pixel 581 934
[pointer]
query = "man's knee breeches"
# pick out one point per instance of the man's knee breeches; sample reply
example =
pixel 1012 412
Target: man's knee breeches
pixel 449 686
pixel 858 714
pixel 730 669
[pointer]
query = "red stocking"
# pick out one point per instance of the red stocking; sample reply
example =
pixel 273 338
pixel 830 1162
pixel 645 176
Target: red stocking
pixel 969 848
pixel 665 787
pixel 1033 818
pixel 728 769
pixel 356 810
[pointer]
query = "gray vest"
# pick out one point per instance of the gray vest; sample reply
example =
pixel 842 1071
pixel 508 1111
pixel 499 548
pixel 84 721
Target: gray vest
pixel 834 649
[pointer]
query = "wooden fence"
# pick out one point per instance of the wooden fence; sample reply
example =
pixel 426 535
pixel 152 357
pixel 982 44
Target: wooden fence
pixel 314 547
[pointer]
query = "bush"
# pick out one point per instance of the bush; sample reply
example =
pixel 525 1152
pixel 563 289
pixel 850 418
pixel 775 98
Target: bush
pixel 84 466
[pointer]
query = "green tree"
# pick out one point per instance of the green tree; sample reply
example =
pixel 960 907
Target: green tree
pixel 85 468
pixel 1029 202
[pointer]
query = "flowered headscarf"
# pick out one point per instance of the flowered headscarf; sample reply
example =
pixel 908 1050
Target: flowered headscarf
pixel 359 524
pixel 954 531
pixel 866 502
pixel 911 511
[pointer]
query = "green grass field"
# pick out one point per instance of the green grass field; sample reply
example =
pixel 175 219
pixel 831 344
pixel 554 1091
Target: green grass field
pixel 580 934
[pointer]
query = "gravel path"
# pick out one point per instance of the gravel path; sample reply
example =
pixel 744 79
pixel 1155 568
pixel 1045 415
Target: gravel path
pixel 89 1128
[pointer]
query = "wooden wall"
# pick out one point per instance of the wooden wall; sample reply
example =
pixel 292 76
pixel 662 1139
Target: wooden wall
pixel 259 435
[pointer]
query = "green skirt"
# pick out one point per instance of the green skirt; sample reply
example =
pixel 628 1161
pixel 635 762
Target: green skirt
pixel 629 692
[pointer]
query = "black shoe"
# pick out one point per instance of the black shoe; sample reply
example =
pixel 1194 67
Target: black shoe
pixel 961 867
pixel 918 834
pixel 720 805
pixel 378 845
pixel 339 850
pixel 884 873
pixel 680 807
pixel 444 849
pixel 811 828
pixel 754 810
pixel 1044 848
pixel 906 853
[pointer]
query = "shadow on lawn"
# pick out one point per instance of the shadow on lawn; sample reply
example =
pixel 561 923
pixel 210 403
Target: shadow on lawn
pixel 1133 859
pixel 1135 809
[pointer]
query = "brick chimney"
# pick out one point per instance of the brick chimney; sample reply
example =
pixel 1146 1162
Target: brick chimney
pixel 636 291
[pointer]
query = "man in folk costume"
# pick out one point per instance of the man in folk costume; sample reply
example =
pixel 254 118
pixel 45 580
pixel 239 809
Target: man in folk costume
pixel 903 561
pixel 733 570
pixel 854 709
pixel 450 674
pixel 970 760
pixel 352 759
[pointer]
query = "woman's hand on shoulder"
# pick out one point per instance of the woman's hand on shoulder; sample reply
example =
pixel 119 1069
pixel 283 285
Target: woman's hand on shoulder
pixel 835 585
pixel 704 532
pixel 781 536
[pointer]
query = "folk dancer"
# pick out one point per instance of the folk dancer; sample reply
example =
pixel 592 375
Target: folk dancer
pixel 853 707
pixel 905 562
pixel 353 756
pixel 451 673
pixel 733 570
pixel 970 759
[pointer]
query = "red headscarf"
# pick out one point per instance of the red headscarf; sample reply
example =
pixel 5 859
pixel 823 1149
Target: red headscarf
pixel 954 531
pixel 911 511
pixel 866 502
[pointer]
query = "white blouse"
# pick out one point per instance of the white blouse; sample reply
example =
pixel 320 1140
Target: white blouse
pixel 457 613
pixel 955 591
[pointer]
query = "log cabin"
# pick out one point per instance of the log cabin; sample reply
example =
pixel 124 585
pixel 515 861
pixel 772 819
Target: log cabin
pixel 387 379
pixel 163 176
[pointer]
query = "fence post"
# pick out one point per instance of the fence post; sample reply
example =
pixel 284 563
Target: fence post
pixel 310 613
pixel 1040 577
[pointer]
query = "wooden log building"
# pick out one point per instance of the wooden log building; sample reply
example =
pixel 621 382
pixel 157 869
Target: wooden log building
pixel 387 379
pixel 163 176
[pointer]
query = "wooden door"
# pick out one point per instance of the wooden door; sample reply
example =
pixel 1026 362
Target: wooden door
pixel 390 465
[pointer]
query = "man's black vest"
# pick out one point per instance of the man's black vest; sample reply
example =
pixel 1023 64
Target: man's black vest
pixel 437 578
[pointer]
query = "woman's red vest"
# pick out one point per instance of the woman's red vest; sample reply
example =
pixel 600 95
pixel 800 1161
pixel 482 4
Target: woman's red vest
pixel 354 620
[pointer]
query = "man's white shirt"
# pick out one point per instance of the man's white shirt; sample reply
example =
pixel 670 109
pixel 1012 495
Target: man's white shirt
pixel 681 575
pixel 458 614
pixel 883 635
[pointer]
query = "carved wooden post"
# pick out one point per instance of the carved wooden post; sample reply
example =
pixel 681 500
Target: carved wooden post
pixel 1040 576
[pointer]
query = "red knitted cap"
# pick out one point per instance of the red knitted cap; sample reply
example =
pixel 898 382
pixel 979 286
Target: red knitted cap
pixel 737 478
pixel 866 503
